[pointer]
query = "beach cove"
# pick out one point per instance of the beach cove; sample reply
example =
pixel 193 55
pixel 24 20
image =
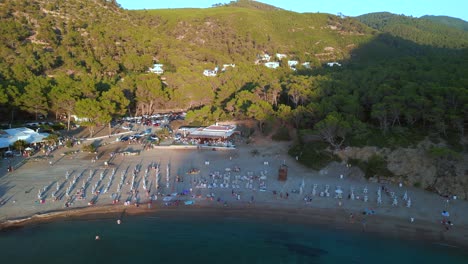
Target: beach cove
pixel 280 202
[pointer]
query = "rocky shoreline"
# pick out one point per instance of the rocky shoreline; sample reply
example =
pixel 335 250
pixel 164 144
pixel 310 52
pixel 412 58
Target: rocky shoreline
pixel 416 167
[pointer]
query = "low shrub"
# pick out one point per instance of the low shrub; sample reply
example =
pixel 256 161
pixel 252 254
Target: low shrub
pixel 313 155
pixel 376 165
pixel 282 134
pixel 89 148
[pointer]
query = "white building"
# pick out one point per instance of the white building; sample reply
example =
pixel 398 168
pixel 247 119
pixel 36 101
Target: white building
pixel 331 64
pixel 157 68
pixel 272 64
pixel 281 56
pixel 79 119
pixel 214 133
pixel 211 73
pixel 292 64
pixel 225 66
pixel 9 136
pixel 265 57
pixel 306 65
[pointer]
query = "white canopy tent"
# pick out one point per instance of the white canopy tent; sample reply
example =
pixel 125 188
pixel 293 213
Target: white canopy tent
pixel 9 136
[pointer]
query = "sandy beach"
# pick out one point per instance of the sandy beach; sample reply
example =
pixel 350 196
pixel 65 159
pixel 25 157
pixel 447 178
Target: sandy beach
pixel 240 182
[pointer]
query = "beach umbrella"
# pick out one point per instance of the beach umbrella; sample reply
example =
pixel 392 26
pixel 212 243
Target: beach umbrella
pixel 338 191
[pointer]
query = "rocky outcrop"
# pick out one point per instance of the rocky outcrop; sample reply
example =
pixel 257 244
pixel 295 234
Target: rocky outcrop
pixel 415 167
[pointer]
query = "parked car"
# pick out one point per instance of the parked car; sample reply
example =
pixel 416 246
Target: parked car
pixel 147 131
pixel 137 136
pixel 32 124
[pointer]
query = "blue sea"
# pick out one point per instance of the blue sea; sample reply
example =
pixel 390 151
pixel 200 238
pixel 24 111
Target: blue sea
pixel 156 239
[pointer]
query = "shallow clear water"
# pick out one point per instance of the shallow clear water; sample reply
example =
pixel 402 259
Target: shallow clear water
pixel 217 240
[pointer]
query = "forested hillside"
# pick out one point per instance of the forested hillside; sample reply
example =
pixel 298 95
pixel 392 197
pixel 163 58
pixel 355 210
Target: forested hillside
pixel 420 31
pixel 449 21
pixel 91 58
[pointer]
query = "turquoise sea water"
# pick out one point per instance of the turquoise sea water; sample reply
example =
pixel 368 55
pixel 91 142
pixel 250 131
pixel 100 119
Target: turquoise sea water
pixel 151 239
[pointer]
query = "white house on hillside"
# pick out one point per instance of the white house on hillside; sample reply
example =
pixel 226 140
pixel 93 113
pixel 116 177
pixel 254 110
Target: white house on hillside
pixel 265 57
pixel 281 56
pixel 306 65
pixel 157 68
pixel 225 66
pixel 272 64
pixel 331 64
pixel 211 73
pixel 292 64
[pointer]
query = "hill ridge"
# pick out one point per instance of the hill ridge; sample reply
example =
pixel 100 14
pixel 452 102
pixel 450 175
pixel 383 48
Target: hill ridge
pixel 454 22
pixel 418 30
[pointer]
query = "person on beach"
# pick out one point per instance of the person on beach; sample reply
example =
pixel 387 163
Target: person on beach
pixel 351 218
pixel 447 224
pixel 364 224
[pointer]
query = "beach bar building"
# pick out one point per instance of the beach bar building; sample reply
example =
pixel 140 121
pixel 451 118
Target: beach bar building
pixel 9 136
pixel 214 134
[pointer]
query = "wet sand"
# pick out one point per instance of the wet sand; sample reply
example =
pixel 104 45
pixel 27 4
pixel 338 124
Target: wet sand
pixel 379 225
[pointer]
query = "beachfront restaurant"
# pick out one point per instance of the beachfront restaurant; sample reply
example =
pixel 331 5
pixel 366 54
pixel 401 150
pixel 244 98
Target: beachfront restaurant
pixel 214 135
pixel 10 136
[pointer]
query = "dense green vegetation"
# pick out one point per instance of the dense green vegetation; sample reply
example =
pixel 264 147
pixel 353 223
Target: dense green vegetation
pixel 91 58
pixel 421 31
pixel 376 165
pixel 313 155
pixel 449 21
